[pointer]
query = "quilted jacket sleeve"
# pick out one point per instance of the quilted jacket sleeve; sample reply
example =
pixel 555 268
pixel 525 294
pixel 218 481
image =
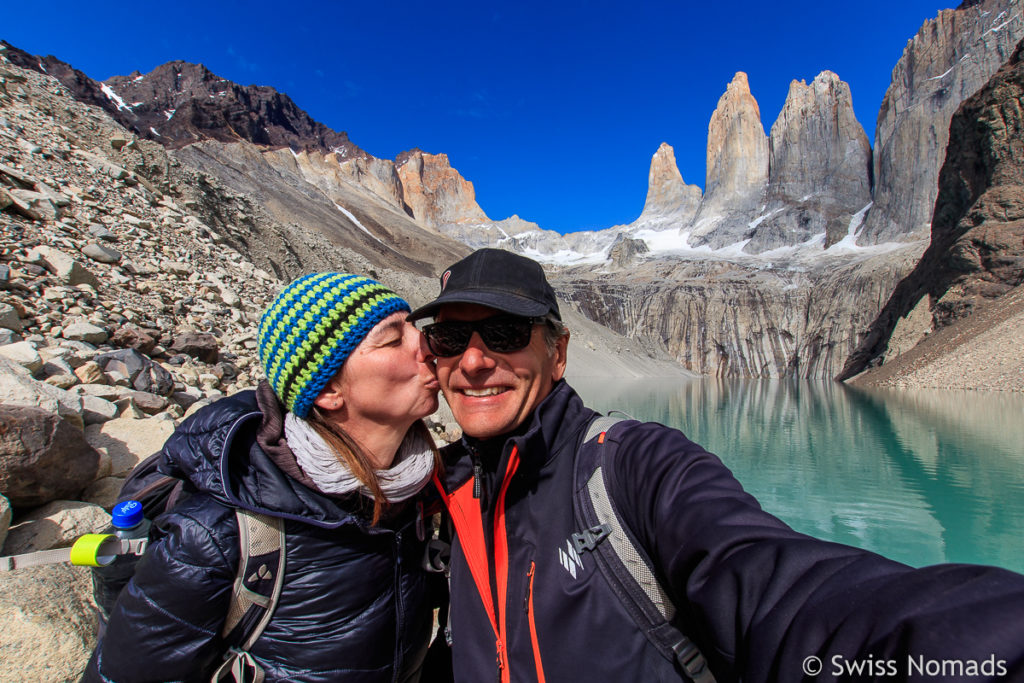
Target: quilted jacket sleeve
pixel 760 598
pixel 166 623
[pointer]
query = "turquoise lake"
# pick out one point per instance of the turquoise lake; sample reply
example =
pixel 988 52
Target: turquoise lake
pixel 921 476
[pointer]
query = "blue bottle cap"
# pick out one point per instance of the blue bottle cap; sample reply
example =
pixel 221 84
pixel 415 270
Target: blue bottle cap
pixel 127 514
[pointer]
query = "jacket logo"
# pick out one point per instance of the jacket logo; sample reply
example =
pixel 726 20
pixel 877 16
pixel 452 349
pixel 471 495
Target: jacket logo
pixel 444 279
pixel 570 559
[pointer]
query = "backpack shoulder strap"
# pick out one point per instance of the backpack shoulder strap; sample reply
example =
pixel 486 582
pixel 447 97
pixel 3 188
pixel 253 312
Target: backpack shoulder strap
pixel 256 591
pixel 623 565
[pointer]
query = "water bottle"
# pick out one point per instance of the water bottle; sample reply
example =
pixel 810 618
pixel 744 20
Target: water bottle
pixel 127 521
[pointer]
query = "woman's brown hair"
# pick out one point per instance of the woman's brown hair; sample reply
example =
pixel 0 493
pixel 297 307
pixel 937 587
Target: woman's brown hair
pixel 355 459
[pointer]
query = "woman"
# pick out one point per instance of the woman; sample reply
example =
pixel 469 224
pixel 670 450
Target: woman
pixel 332 443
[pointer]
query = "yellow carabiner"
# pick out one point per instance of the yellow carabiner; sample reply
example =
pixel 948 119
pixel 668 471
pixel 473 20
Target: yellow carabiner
pixel 94 550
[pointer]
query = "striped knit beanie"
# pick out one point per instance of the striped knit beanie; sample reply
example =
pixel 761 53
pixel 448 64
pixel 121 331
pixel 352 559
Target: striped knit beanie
pixel 311 328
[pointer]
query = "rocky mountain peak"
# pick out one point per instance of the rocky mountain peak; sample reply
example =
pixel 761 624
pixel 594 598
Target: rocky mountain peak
pixel 950 59
pixel 819 166
pixel 669 198
pixel 737 154
pixel 737 167
pixel 179 103
pixel 435 192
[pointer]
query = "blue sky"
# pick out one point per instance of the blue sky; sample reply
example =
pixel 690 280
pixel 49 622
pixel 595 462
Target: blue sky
pixel 552 109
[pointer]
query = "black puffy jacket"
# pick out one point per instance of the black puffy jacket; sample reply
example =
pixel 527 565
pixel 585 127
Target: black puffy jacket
pixel 353 606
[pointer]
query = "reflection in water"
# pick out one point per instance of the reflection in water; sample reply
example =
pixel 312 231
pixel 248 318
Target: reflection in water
pixel 919 476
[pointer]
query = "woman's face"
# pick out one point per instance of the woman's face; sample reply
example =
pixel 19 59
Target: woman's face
pixel 389 379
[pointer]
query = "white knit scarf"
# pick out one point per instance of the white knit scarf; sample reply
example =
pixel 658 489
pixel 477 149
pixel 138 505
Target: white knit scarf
pixel 409 472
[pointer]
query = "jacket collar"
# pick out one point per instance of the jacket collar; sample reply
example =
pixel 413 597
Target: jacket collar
pixel 219 450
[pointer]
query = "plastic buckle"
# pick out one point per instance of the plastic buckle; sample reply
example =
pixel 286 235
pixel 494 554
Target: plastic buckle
pixel 588 539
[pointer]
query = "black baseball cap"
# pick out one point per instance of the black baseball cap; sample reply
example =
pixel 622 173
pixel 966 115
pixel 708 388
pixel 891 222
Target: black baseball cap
pixel 498 279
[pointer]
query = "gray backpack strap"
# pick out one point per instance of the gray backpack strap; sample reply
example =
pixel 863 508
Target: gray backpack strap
pixel 623 566
pixel 255 594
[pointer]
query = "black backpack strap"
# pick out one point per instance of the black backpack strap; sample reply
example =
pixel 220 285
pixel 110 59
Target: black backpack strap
pixel 626 569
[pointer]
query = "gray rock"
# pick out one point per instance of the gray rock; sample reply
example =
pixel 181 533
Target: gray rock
pixel 85 332
pixel 70 271
pixel 107 392
pixel 42 457
pixel 24 354
pixel 104 492
pixel 8 336
pixel 102 254
pixel 100 232
pixel 128 441
pixel 44 639
pixel 9 318
pixel 55 525
pixel 34 205
pixel 128 362
pixel 18 388
pixel 97 410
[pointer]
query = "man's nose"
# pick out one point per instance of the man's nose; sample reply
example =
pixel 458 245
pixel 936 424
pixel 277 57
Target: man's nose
pixel 423 352
pixel 477 356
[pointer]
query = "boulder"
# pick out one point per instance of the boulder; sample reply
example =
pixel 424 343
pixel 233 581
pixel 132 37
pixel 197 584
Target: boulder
pixel 24 354
pixel 199 345
pixel 34 205
pixel 70 271
pixel 17 388
pixel 129 337
pixel 96 410
pixel 129 441
pixel 101 232
pixel 55 525
pixel 103 492
pixel 9 318
pixel 46 639
pixel 90 373
pixel 141 372
pixel 42 457
pixel 85 332
pixel 101 254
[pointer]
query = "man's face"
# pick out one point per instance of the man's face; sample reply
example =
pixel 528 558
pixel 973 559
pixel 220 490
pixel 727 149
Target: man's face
pixel 493 393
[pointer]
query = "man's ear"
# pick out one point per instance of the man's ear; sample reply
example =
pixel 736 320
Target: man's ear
pixel 561 357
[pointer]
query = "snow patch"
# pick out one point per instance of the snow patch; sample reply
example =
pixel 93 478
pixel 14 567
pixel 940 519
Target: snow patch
pixel 849 243
pixel 113 97
pixel 169 113
pixel 949 71
pixel 43 68
pixel 154 132
pixel 137 79
pixel 355 220
pixel 1002 25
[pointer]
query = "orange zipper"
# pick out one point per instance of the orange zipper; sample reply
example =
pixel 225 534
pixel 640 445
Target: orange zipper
pixel 533 626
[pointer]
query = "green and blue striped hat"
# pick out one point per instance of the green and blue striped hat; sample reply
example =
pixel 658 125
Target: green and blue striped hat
pixel 312 326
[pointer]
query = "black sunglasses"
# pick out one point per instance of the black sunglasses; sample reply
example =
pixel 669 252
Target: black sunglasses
pixel 500 333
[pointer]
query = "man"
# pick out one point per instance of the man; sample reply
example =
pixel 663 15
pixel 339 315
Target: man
pixel 760 601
